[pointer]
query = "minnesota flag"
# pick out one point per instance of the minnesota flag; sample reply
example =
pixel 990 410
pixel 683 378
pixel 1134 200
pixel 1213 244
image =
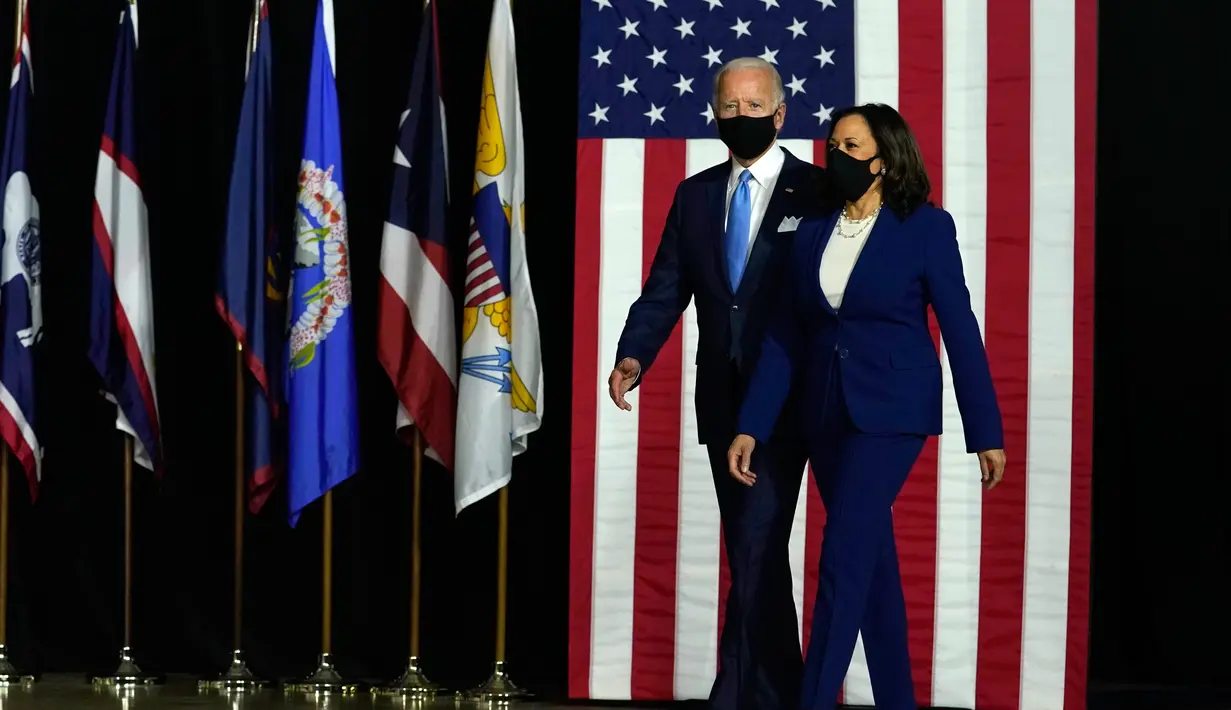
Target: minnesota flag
pixel 500 391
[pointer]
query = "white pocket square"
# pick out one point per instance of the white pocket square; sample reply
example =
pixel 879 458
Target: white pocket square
pixel 789 224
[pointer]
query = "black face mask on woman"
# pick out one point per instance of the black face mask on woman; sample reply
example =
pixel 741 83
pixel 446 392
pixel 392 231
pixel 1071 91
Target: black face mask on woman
pixel 747 136
pixel 850 176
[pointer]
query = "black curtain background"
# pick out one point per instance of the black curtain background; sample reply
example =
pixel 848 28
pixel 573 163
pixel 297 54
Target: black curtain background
pixel 66 584
pixel 1160 535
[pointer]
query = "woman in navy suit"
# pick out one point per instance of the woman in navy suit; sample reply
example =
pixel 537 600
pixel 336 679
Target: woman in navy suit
pixel 851 338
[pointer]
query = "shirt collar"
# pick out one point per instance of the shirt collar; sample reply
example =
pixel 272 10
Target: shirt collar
pixel 766 168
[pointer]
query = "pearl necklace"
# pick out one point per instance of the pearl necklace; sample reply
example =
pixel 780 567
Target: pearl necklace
pixel 861 225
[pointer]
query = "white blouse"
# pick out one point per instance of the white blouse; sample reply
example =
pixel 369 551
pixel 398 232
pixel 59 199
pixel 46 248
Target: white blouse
pixel 840 256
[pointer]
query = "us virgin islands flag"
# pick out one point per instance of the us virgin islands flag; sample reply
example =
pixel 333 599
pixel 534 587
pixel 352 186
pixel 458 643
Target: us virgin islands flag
pixel 321 394
pixel 500 392
pixel 21 311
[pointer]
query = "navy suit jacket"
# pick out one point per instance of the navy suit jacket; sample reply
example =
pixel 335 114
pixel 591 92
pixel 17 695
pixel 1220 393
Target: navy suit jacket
pixel 879 338
pixel 690 263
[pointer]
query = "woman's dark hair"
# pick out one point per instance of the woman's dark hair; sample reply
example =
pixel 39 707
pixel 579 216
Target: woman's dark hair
pixel 905 185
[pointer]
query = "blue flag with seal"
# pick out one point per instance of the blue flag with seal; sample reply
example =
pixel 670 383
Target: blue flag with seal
pixel 20 270
pixel 323 427
pixel 251 291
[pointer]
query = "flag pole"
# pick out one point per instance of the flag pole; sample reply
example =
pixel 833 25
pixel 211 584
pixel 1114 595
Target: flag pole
pixel 237 676
pixel 326 680
pixel 327 578
pixel 499 688
pixel 9 675
pixel 413 684
pixel 128 674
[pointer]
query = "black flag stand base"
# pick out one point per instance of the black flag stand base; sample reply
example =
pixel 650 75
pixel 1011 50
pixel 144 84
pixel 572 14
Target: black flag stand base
pixel 128 674
pixel 498 689
pixel 9 675
pixel 324 681
pixel 236 677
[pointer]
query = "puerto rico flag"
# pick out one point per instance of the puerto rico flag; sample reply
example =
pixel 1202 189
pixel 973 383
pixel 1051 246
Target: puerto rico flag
pixel 417 340
pixel 121 302
pixel 21 312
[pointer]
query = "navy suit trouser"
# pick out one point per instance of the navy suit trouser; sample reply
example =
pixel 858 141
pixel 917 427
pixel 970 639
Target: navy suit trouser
pixel 858 475
pixel 760 660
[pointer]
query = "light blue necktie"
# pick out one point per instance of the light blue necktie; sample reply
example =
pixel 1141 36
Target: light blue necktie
pixel 739 220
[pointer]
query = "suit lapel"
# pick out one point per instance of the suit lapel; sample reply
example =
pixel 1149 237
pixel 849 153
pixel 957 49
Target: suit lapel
pixel 716 207
pixel 775 211
pixel 870 258
pixel 818 251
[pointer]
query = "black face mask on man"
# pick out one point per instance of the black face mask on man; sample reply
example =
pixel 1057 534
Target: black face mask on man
pixel 850 176
pixel 747 136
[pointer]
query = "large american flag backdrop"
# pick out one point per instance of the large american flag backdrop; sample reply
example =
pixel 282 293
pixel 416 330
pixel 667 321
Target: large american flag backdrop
pixel 1000 94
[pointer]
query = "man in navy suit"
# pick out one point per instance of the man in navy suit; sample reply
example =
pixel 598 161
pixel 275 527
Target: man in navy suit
pixel 725 244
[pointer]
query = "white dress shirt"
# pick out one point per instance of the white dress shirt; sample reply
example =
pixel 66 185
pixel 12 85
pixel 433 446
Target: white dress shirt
pixel 765 174
pixel 841 253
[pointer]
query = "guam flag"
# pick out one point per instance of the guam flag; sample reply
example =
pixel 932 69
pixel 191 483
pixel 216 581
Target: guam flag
pixel 500 393
pixel 321 392
pixel 20 259
pixel 251 293
pixel 121 301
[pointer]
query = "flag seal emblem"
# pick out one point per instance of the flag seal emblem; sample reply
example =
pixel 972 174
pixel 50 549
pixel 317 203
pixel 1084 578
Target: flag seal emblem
pixel 321 240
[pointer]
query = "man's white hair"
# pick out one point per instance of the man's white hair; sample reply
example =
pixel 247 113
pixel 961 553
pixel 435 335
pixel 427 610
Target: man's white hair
pixel 751 63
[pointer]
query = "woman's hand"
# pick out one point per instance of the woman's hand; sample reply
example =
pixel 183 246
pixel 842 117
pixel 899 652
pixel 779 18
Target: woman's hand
pixel 991 465
pixel 739 458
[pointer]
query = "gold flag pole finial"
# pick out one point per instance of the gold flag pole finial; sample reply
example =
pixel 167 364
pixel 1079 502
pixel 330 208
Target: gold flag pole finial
pixel 256 25
pixel 20 26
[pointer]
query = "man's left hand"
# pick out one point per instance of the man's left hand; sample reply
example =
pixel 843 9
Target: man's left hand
pixel 991 465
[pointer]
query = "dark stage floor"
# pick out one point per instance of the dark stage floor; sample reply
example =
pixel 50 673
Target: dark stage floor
pixel 71 692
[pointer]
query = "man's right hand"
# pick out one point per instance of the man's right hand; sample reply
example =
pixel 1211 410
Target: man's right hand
pixel 621 381
pixel 739 458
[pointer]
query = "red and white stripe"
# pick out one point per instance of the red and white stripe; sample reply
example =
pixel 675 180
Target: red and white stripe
pixel 482 282
pixel 14 427
pixel 121 228
pixel 417 337
pixel 996 584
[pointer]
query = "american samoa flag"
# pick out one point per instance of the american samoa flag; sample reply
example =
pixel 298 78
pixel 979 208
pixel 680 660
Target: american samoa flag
pixel 121 298
pixel 20 272
pixel 417 341
pixel 1000 95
